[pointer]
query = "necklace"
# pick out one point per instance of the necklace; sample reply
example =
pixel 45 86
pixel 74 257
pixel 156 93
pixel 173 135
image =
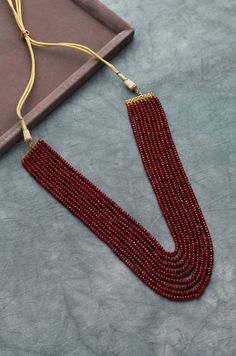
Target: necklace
pixel 179 275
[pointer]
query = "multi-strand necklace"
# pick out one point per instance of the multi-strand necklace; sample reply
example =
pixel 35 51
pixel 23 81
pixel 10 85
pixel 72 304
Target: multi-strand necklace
pixel 179 275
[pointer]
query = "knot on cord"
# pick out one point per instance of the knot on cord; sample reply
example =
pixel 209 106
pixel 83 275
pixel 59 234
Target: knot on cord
pixel 25 33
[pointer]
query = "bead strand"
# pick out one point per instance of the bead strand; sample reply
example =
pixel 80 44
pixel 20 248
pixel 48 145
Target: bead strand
pixel 181 274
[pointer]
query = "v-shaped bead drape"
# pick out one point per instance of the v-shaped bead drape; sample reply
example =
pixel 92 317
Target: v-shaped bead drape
pixel 179 275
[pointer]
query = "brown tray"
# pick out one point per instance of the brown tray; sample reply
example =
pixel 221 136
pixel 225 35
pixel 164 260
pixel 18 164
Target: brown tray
pixel 59 71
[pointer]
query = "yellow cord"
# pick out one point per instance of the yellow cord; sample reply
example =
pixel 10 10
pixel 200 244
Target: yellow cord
pixel 17 12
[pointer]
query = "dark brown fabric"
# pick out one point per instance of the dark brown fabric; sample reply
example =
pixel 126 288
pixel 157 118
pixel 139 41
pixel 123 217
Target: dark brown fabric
pixel 59 70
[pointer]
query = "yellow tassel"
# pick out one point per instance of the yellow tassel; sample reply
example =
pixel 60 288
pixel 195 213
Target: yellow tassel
pixel 131 85
pixel 26 132
pixel 27 136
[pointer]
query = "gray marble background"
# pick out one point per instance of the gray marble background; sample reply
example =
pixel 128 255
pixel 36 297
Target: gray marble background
pixel 62 291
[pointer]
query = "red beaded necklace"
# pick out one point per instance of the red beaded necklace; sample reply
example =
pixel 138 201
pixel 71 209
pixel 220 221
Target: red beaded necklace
pixel 179 275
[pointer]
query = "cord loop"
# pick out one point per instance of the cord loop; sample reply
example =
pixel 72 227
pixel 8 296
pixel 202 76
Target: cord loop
pixel 16 8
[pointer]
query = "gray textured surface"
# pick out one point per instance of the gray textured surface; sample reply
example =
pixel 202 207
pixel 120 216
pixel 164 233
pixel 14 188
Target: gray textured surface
pixel 62 291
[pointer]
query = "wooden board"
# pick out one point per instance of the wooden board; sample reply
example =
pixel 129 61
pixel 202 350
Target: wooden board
pixel 59 71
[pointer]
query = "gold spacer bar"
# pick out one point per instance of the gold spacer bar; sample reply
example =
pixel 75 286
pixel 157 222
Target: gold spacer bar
pixel 30 149
pixel 140 97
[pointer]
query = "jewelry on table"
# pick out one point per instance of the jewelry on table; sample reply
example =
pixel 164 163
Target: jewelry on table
pixel 182 274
